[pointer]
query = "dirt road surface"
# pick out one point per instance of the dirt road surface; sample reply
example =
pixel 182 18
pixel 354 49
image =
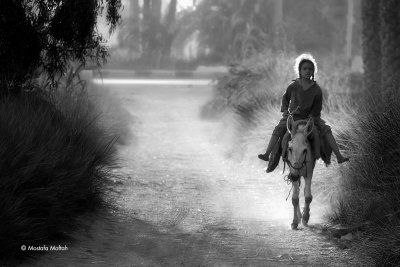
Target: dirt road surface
pixel 182 202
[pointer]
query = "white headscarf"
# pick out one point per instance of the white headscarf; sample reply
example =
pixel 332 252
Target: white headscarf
pixel 305 56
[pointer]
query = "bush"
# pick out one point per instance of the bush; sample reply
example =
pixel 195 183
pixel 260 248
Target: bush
pixel 112 117
pixel 74 91
pixel 254 84
pixel 370 183
pixel 55 159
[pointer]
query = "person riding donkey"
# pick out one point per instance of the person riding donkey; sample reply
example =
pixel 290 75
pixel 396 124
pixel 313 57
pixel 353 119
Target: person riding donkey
pixel 303 100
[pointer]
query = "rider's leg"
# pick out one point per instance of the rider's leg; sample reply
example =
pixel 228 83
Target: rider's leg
pixel 271 144
pixel 332 142
pixel 328 136
pixel 278 132
pixel 316 143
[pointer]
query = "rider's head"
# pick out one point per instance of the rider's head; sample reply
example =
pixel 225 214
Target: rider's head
pixel 305 64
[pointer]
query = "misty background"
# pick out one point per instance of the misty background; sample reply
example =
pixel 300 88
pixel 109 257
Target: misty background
pixel 185 34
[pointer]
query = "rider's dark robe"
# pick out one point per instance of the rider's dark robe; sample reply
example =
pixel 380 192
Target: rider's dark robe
pixel 304 104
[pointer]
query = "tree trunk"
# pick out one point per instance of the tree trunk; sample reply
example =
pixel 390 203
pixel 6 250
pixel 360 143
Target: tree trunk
pixel 371 45
pixel 349 30
pixel 170 18
pixel 134 15
pixel 277 19
pixel 156 34
pixel 390 41
pixel 169 33
pixel 156 10
pixel 146 32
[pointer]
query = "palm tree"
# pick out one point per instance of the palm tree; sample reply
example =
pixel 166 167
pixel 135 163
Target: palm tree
pixel 371 44
pixel 349 30
pixel 234 29
pixel 169 33
pixel 390 41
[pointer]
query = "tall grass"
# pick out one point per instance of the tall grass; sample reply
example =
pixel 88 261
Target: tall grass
pixel 73 91
pixel 55 162
pixel 254 84
pixel 370 185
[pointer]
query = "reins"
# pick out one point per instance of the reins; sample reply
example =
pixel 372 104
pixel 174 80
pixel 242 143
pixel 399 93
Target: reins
pixel 288 178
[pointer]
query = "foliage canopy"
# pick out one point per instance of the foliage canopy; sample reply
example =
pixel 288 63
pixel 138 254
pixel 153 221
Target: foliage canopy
pixel 48 34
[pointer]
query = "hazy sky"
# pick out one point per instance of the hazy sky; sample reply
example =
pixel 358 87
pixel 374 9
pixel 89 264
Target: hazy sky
pixel 182 4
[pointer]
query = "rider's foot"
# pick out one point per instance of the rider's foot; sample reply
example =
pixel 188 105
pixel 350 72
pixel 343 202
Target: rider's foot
pixel 342 159
pixel 264 157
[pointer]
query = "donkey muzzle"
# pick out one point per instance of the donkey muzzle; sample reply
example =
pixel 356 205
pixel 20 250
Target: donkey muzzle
pixel 297 165
pixel 294 177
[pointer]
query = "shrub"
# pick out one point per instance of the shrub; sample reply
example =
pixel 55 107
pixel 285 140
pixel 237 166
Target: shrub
pixel 75 91
pixel 252 85
pixel 54 162
pixel 370 183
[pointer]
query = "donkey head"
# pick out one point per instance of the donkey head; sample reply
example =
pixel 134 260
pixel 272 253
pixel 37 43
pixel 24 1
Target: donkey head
pixel 298 146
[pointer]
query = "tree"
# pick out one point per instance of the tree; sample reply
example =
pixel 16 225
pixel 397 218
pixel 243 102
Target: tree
pixel 371 44
pixel 48 34
pixel 129 32
pixel 278 22
pixel 349 29
pixel 234 29
pixel 158 33
pixel 151 33
pixel 381 39
pixel 169 33
pixel 390 41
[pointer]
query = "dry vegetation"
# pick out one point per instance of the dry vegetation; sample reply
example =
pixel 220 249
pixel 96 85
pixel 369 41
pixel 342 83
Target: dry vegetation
pixel 363 192
pixel 57 150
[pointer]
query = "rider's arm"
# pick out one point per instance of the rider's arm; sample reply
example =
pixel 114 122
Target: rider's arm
pixel 317 106
pixel 286 100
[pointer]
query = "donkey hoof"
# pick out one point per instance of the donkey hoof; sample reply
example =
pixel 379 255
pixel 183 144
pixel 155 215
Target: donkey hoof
pixel 294 226
pixel 305 218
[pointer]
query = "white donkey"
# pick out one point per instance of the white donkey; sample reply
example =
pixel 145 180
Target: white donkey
pixel 301 161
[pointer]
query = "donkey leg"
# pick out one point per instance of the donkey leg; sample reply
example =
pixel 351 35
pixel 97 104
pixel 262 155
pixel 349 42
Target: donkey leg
pixel 308 198
pixel 296 207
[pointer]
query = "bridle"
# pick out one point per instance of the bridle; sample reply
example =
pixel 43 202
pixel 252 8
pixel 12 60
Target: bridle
pixel 286 161
pixel 303 165
pixel 289 178
pixel 298 168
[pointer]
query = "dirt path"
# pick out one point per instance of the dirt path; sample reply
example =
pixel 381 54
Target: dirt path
pixel 182 203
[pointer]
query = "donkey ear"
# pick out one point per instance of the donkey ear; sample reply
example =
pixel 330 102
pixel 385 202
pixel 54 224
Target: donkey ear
pixel 289 124
pixel 309 126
